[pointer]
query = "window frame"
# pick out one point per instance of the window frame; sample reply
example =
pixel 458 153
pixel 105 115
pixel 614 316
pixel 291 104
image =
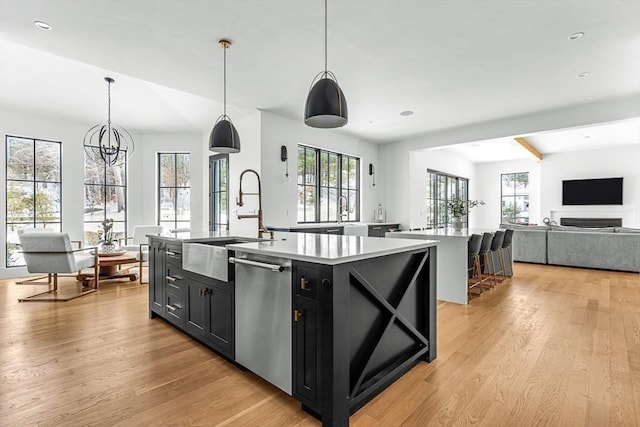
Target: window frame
pixel 321 181
pixel 513 219
pixel 436 207
pixel 175 187
pixel 215 209
pixel 35 182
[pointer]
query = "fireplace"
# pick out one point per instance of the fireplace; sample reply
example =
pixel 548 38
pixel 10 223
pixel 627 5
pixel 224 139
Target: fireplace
pixel 592 222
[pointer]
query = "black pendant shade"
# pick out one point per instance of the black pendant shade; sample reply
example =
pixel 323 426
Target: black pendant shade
pixel 224 137
pixel 326 105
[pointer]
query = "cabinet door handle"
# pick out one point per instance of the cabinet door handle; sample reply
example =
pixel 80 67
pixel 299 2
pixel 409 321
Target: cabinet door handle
pixel 296 315
pixel 333 231
pixel 174 254
pixel 204 292
pixel 172 279
pixel 171 307
pixel 376 228
pixel 303 283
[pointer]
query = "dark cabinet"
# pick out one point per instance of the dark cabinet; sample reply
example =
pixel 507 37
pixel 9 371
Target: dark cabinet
pixel 201 306
pixel 210 313
pixel 381 230
pixel 156 278
pixel 305 369
pixel 305 333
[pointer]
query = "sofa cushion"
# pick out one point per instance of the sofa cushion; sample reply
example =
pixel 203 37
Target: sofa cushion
pixel 626 230
pixel 530 245
pixel 606 250
pixel 582 229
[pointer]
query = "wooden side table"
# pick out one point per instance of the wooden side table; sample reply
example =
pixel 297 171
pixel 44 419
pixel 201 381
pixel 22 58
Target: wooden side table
pixel 110 267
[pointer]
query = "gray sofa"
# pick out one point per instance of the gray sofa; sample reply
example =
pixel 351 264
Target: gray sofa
pixel 612 248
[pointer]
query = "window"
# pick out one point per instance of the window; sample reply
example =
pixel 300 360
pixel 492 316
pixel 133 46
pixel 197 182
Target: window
pixel 324 178
pixel 105 196
pixel 33 189
pixel 515 198
pixel 219 192
pixel 174 200
pixel 441 188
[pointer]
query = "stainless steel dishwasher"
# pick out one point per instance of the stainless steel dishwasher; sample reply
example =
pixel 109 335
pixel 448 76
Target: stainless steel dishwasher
pixel 263 317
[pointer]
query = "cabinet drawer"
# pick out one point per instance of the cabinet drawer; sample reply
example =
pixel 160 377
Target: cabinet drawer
pixel 174 304
pixel 173 277
pixel 173 253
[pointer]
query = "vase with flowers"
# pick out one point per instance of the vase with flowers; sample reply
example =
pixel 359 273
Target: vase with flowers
pixel 458 208
pixel 107 243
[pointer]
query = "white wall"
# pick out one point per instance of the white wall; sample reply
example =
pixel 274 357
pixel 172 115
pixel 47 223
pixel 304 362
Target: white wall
pixel 488 188
pixel 280 200
pixel 441 160
pixel 394 170
pixel 248 158
pixel 608 163
pixel 143 176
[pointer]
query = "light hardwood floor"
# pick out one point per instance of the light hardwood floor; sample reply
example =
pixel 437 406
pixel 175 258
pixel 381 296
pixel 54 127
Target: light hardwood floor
pixel 554 346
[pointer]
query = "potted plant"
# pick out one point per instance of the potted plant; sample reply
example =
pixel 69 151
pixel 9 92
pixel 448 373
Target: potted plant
pixel 458 208
pixel 107 236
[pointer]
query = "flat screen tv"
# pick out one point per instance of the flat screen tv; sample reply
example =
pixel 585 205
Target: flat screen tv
pixel 602 191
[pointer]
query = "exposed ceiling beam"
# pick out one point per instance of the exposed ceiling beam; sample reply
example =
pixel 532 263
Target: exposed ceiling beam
pixel 530 148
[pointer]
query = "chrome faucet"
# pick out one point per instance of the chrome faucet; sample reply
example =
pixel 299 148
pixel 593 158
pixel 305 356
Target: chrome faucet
pixel 343 208
pixel 239 201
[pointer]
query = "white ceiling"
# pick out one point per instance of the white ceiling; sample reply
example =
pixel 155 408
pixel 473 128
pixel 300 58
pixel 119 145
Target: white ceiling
pixel 613 134
pixel 451 62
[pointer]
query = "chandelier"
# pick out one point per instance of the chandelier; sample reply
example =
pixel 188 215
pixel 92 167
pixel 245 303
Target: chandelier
pixel 108 143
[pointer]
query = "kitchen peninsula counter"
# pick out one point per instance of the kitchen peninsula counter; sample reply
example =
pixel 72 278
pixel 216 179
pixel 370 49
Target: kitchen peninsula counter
pixel 360 311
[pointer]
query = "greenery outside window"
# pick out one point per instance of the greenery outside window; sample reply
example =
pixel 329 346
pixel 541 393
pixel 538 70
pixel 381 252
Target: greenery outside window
pixel 33 188
pixel 174 199
pixel 105 197
pixel 515 198
pixel 323 178
pixel 441 188
pixel 219 192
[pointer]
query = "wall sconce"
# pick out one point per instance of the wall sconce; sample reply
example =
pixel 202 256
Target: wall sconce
pixel 285 158
pixel 372 173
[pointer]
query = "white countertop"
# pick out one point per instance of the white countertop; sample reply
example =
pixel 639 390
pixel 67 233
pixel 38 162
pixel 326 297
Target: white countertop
pixel 441 232
pixel 329 249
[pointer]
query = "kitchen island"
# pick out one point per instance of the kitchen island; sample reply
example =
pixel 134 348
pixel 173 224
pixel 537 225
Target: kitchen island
pixel 330 320
pixel 452 259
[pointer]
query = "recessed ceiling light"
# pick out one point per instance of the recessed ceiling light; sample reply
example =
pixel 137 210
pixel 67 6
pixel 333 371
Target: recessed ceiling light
pixel 589 98
pixel 576 36
pixel 42 25
pixel 406 113
pixel 583 74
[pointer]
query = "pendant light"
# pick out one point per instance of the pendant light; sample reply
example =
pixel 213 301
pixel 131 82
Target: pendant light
pixel 326 105
pixel 224 137
pixel 108 143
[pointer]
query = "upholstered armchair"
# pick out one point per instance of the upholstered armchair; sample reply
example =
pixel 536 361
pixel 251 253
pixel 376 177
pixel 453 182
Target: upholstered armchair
pixel 52 253
pixel 139 243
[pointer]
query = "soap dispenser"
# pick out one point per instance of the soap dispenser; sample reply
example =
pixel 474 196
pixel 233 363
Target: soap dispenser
pixel 379 214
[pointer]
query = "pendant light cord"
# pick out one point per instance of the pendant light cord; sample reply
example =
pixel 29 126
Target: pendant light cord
pixel 224 79
pixel 325 36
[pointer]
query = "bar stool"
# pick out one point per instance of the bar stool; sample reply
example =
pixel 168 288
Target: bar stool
pixel 484 259
pixel 507 246
pixel 473 263
pixel 496 247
